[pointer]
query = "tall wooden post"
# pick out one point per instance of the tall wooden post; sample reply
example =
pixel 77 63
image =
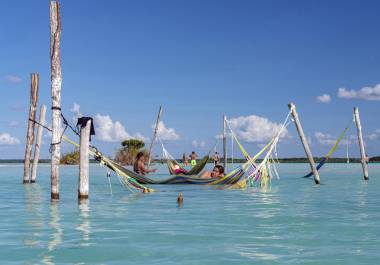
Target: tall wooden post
pixel 83 182
pixel 225 141
pixel 37 147
pixel 154 134
pixel 305 144
pixel 30 133
pixel 56 83
pixel 364 158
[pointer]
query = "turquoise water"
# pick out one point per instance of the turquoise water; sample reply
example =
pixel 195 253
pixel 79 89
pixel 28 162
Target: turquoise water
pixel 295 222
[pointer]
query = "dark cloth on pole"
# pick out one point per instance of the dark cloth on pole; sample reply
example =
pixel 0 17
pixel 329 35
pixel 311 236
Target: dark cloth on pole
pixel 82 122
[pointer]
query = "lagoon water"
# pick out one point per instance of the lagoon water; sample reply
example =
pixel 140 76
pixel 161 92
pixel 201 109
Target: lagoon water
pixel 295 222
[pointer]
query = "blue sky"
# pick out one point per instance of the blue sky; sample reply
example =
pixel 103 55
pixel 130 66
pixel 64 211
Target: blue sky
pixel 199 59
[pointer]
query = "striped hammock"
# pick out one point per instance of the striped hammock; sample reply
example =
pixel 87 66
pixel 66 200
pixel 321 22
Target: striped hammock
pixel 171 162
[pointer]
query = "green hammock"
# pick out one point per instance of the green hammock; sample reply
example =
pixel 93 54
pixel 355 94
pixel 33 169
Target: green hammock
pixel 193 171
pixel 177 179
pixel 233 177
pixel 126 179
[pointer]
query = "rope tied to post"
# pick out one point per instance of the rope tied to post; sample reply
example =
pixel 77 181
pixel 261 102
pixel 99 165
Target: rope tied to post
pixel 67 125
pixel 76 130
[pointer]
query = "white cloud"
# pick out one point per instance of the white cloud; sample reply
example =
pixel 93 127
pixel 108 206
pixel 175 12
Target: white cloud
pixel 219 136
pixel 7 139
pixel 14 124
pixel 328 139
pixel 366 93
pixel 109 131
pixel 166 133
pixel 140 137
pixel 353 137
pixel 201 144
pixel 76 111
pixel 324 139
pixel 325 98
pixel 18 107
pixel 372 136
pixel 255 129
pixel 13 79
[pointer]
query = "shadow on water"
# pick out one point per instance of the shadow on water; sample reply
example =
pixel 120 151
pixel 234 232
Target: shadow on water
pixel 56 233
pixel 84 222
pixel 34 208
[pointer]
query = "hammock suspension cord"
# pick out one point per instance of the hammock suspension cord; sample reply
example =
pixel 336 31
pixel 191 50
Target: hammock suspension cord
pixel 332 150
pixel 266 169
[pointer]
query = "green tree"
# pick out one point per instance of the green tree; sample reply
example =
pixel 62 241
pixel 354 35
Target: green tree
pixel 70 158
pixel 133 143
pixel 126 155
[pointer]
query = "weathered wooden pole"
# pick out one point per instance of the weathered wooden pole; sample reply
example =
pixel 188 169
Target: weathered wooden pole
pixel 30 133
pixel 154 134
pixel 305 144
pixel 225 141
pixel 83 182
pixel 56 83
pixel 364 159
pixel 37 147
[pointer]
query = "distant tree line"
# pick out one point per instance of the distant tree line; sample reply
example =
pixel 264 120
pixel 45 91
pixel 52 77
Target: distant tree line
pixel 127 153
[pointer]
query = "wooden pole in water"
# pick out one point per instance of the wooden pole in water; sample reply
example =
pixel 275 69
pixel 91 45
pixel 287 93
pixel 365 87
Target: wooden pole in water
pixel 30 133
pixel 305 144
pixel 83 182
pixel 361 144
pixel 56 83
pixel 154 134
pixel 37 147
pixel 225 141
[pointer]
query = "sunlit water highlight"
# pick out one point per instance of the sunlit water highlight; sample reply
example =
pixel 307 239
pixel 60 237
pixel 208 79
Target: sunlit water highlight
pixel 295 222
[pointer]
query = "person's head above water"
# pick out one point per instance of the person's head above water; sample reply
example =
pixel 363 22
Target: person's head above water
pixel 140 156
pixel 218 171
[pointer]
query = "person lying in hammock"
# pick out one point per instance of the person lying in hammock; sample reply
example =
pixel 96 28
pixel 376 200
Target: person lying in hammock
pixel 139 165
pixel 178 170
pixel 217 172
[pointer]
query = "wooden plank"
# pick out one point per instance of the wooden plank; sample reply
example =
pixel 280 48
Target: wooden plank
pixel 30 133
pixel 364 158
pixel 37 147
pixel 225 142
pixel 305 144
pixel 83 182
pixel 154 134
pixel 56 84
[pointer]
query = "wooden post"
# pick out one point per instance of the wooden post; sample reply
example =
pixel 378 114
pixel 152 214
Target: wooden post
pixel 37 147
pixel 305 144
pixel 83 182
pixel 225 142
pixel 364 158
pixel 56 83
pixel 154 134
pixel 30 133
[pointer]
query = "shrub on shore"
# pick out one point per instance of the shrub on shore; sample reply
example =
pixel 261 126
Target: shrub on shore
pixel 70 158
